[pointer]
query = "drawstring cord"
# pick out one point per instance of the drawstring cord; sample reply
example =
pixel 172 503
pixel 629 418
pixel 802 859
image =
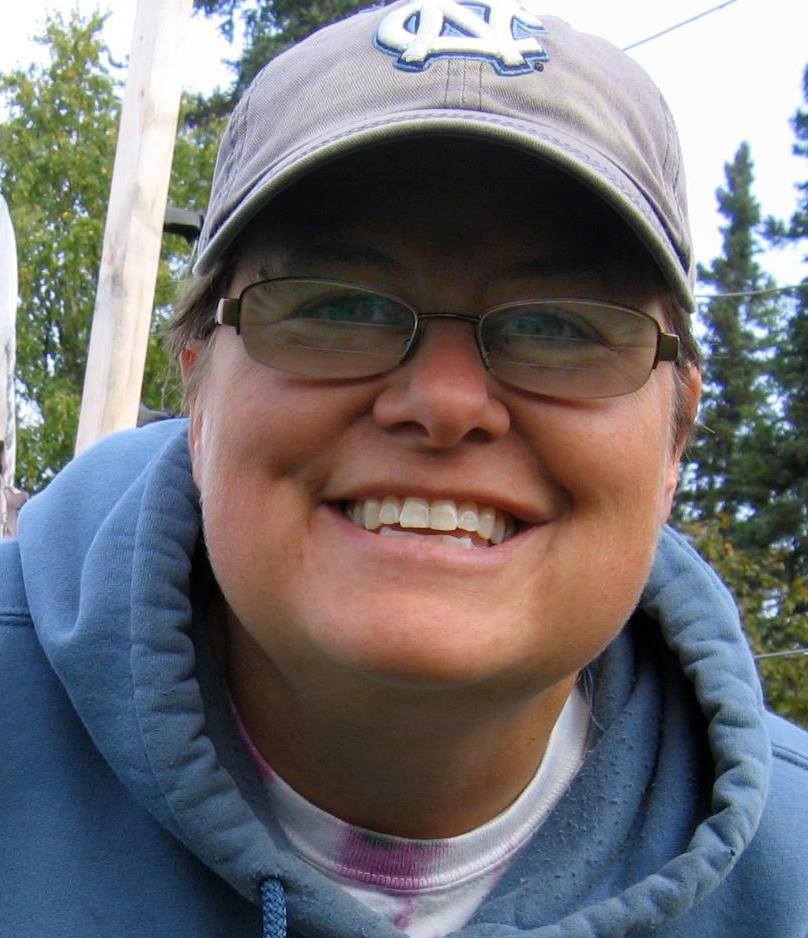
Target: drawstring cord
pixel 273 909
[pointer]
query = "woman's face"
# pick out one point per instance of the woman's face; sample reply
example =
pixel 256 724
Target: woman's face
pixel 286 465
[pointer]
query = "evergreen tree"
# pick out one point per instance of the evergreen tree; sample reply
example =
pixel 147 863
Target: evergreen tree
pixel 784 519
pixel 754 525
pixel 736 412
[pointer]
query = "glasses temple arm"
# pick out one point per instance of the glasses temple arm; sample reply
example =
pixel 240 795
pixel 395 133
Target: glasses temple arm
pixel 228 312
pixel 667 348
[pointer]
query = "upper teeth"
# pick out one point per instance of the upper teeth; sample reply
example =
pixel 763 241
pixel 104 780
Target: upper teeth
pixel 441 515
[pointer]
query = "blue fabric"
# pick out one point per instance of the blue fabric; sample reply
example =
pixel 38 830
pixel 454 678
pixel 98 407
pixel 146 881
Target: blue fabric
pixel 128 804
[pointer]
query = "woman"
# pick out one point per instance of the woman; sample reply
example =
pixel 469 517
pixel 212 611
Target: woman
pixel 389 636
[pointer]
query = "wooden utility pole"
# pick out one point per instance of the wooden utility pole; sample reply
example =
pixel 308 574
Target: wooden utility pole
pixel 137 204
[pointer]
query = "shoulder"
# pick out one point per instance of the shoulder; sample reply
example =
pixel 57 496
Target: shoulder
pixel 111 464
pixel 784 825
pixel 785 821
pixel 789 742
pixel 766 894
pixel 68 512
pixel 13 603
pixel 779 850
pixel 26 679
pixel 789 760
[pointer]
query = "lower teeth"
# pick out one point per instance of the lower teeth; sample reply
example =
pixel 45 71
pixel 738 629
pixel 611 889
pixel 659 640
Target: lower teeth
pixel 465 542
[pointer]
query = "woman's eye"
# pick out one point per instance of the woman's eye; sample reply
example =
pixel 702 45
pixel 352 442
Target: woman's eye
pixel 549 324
pixel 353 308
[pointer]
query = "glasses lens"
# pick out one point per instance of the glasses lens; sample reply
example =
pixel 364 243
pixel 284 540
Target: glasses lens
pixel 569 348
pixel 320 329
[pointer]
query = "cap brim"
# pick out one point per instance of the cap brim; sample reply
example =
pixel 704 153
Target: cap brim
pixel 549 144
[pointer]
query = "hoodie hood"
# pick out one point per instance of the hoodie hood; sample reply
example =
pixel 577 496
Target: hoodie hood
pixel 120 528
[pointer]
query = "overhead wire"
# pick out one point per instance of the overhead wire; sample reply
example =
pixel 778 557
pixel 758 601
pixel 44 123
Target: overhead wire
pixel 793 653
pixel 741 293
pixel 707 297
pixel 670 29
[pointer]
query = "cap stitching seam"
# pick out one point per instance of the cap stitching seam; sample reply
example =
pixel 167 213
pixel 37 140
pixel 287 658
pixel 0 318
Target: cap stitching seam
pixel 464 82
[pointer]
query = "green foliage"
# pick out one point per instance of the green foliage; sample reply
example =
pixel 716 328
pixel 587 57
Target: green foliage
pixel 784 518
pixel 798 227
pixel 739 337
pixel 56 154
pixel 745 491
pixel 776 454
pixel 773 605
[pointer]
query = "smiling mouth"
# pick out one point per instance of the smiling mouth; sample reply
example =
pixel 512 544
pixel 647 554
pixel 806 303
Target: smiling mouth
pixel 460 524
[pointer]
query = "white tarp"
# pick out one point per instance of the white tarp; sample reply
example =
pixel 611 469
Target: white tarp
pixel 10 498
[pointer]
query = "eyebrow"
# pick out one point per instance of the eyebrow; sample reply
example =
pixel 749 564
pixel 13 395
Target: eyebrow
pixel 545 267
pixel 338 253
pixel 304 259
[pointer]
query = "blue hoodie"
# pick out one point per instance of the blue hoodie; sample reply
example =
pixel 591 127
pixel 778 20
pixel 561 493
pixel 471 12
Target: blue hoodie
pixel 129 806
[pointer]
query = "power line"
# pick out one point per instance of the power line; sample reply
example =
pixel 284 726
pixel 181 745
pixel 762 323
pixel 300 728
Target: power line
pixel 783 654
pixel 770 290
pixel 670 29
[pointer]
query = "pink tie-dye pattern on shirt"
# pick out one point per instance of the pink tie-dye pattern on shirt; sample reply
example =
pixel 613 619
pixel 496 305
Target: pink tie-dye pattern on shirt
pixel 388 862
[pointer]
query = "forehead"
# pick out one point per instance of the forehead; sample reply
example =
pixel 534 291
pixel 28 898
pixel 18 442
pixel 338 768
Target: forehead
pixel 463 200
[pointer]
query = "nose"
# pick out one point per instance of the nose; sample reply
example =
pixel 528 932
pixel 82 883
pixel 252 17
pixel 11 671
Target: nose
pixel 443 393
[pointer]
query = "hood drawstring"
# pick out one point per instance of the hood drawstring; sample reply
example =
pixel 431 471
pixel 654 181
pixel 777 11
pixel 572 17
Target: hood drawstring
pixel 273 909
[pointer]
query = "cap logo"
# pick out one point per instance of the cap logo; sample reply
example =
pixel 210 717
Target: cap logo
pixel 502 32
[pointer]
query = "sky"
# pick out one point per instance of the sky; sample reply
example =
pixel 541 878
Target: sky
pixel 733 75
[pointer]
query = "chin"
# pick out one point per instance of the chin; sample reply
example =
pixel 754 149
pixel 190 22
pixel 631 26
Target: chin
pixel 418 645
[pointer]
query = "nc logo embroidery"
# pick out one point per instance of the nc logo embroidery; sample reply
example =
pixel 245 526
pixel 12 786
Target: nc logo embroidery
pixel 500 31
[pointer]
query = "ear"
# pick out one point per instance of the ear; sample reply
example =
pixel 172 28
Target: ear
pixel 189 363
pixel 689 387
pixel 188 358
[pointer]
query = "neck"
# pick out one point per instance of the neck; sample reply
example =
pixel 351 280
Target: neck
pixel 412 763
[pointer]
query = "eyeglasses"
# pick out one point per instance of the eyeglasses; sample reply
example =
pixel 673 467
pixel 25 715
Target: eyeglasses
pixel 565 348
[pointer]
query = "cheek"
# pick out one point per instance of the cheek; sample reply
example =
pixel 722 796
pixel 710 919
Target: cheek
pixel 613 461
pixel 251 424
pixel 615 452
pixel 263 446
pixel 251 507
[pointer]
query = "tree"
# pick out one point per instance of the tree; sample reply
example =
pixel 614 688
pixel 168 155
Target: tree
pixel 784 519
pixel 753 503
pixel 774 610
pixel 739 321
pixel 56 154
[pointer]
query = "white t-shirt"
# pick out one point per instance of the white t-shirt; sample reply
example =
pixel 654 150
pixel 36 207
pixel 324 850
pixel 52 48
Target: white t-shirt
pixel 429 888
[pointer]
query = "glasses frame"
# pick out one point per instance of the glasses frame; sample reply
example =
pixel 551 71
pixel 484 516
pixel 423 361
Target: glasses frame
pixel 228 313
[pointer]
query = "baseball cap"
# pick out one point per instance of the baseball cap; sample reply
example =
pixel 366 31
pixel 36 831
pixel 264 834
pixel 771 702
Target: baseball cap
pixel 491 69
